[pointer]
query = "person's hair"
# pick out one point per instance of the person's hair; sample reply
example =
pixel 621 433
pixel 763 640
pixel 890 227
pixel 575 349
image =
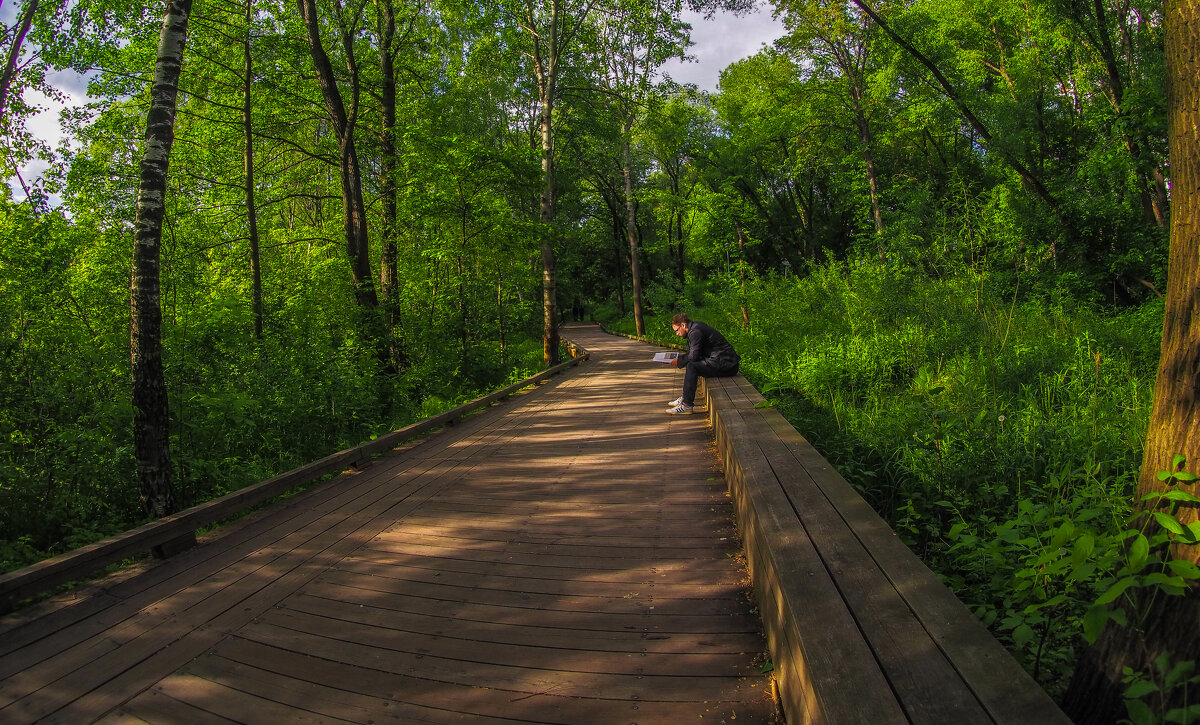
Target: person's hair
pixel 681 319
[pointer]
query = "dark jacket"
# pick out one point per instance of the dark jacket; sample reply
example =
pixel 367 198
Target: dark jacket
pixel 708 346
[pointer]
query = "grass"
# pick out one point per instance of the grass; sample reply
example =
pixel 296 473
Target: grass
pixel 992 428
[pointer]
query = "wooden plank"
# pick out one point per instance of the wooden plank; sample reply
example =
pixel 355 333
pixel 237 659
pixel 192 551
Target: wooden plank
pixel 592 614
pixel 312 695
pixel 487 527
pixel 630 600
pixel 489 645
pixel 593 556
pixel 156 707
pixel 539 676
pixel 681 571
pixel 811 634
pixel 231 703
pixel 529 628
pixel 1001 685
pixel 256 586
pixel 661 588
pixel 927 686
pixel 541 706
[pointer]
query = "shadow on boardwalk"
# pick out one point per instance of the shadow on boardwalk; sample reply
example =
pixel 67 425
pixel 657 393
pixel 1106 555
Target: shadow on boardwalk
pixel 567 556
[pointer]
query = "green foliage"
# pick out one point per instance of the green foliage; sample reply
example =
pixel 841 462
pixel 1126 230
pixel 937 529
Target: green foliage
pixel 1146 694
pixel 998 431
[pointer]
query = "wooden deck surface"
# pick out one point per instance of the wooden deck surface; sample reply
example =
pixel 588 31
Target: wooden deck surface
pixel 565 557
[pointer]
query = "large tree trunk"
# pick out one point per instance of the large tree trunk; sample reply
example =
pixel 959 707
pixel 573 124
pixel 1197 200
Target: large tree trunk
pixel 354 213
pixel 251 207
pixel 635 270
pixel 1164 623
pixel 151 416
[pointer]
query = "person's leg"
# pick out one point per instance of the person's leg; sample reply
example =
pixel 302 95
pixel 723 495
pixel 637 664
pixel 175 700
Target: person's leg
pixel 690 379
pixel 692 372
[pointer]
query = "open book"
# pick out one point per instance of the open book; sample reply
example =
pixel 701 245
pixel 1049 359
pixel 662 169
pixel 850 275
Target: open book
pixel 665 357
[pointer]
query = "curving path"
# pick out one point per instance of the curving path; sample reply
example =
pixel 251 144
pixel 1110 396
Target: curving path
pixel 567 556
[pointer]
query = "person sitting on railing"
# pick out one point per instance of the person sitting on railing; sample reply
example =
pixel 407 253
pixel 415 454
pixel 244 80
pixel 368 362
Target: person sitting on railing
pixel 709 354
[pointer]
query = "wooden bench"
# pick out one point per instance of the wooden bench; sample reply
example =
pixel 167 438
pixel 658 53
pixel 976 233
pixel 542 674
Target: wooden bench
pixel 859 629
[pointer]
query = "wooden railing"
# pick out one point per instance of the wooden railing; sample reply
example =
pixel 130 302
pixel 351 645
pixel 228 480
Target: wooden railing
pixel 174 533
pixel 859 629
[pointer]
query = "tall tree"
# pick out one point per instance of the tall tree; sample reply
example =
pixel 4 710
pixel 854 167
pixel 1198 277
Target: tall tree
pixel 551 28
pixel 636 38
pixel 256 291
pixel 151 415
pixel 1164 624
pixel 833 38
pixel 344 119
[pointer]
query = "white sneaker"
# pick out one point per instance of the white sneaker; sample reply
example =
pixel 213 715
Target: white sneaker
pixel 675 402
pixel 680 409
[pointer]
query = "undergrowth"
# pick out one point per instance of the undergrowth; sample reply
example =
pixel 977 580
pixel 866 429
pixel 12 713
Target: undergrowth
pixel 992 428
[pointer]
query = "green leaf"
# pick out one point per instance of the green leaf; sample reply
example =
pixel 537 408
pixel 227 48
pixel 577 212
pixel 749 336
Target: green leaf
pixel 1169 522
pixel 1183 715
pixel 1093 622
pixel 1139 551
pixel 1177 495
pixel 1084 546
pixel 1023 635
pixel 1140 689
pixel 1140 713
pixel 1184 568
pixel 1170 583
pixel 1115 590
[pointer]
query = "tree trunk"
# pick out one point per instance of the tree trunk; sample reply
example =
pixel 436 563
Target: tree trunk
pixel 631 231
pixel 741 239
pixel 251 207
pixel 680 251
pixel 547 86
pixel 354 212
pixel 864 138
pixel 1164 623
pixel 151 415
pixel 389 278
pixel 1174 424
pixel 387 267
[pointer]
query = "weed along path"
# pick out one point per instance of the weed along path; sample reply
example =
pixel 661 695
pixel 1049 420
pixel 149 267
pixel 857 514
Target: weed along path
pixel 567 556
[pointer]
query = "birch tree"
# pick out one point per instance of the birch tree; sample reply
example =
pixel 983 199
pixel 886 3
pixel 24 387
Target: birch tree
pixel 150 412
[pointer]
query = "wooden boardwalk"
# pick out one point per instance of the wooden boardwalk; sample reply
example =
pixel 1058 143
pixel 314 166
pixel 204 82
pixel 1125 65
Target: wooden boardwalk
pixel 565 557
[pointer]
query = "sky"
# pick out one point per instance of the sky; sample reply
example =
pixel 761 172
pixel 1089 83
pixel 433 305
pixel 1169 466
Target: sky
pixel 721 41
pixel 716 43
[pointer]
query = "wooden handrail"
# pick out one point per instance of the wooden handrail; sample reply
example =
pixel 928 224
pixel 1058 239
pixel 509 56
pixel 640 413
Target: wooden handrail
pixel 78 563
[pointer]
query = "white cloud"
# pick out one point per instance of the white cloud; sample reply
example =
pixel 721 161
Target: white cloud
pixel 724 39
